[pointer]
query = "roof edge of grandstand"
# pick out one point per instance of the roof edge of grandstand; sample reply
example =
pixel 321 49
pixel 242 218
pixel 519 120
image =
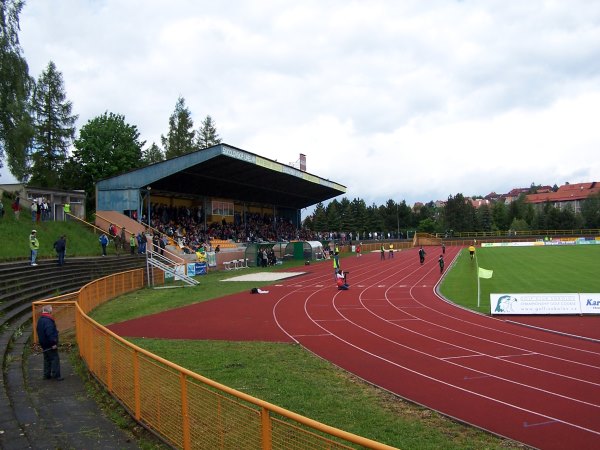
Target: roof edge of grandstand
pixel 180 162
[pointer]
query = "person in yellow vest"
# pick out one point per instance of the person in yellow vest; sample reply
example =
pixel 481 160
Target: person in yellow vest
pixel 472 251
pixel 336 265
pixel 66 210
pixel 391 250
pixel 34 246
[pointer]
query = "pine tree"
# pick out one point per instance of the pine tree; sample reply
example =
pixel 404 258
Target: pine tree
pixel 152 154
pixel 320 218
pixel 15 87
pixel 180 138
pixel 207 135
pixel 54 128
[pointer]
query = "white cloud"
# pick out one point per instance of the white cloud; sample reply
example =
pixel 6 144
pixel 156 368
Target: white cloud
pixel 402 100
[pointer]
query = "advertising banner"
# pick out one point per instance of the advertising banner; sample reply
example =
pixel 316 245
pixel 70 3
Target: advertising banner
pixel 535 304
pixel 590 303
pixel 191 269
pixel 200 268
pixel 211 257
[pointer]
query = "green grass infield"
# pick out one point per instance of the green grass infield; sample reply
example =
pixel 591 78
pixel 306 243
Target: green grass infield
pixel 543 269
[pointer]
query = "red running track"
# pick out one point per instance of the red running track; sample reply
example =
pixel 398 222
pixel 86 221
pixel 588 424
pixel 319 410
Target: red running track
pixel 393 330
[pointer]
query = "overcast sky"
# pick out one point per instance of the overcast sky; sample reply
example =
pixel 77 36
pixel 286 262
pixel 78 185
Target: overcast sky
pixel 403 100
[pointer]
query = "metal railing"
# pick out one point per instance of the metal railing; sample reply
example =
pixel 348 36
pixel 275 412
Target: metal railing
pixel 187 410
pixel 177 270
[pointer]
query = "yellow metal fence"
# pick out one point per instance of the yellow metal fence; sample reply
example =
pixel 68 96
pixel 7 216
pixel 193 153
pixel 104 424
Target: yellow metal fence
pixel 187 410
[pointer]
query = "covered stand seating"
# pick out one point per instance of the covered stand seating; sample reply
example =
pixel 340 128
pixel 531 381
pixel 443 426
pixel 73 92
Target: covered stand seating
pixel 304 250
pixel 280 251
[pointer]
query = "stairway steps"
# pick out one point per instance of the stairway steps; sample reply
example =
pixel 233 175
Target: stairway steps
pixel 25 424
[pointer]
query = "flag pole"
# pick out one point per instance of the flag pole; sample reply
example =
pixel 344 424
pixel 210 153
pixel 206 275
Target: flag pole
pixel 478 289
pixel 478 283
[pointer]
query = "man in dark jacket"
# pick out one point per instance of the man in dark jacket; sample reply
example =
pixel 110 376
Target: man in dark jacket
pixel 48 339
pixel 61 247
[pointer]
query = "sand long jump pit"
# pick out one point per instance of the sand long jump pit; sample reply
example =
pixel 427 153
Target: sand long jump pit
pixel 265 276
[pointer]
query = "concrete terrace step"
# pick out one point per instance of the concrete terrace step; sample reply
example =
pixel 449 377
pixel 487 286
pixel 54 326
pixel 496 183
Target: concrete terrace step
pixel 27 418
pixel 31 279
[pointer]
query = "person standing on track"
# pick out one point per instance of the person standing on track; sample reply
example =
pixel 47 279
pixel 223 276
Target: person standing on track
pixel 422 255
pixel 391 256
pixel 336 265
pixel 472 251
pixel 383 252
pixel 441 263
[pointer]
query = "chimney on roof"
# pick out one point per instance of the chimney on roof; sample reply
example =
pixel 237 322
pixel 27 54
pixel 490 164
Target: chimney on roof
pixel 302 162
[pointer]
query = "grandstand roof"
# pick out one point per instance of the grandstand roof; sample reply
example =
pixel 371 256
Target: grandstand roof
pixel 227 172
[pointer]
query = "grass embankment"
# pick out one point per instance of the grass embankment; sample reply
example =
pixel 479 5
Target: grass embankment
pixel 572 268
pixel 289 376
pixel 15 237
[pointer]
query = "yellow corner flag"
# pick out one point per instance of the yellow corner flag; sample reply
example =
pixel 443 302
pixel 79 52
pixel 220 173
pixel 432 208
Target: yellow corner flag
pixel 484 273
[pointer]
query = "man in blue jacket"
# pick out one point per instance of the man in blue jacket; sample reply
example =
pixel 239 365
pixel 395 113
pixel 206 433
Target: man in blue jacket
pixel 48 339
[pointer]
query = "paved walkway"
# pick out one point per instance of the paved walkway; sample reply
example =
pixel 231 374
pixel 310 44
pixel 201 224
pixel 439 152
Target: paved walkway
pixel 55 414
pixel 67 412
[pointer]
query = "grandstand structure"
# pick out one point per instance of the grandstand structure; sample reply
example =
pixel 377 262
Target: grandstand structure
pixel 224 181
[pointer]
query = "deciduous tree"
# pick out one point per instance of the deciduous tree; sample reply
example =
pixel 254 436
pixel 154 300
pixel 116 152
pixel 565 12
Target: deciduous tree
pixel 107 146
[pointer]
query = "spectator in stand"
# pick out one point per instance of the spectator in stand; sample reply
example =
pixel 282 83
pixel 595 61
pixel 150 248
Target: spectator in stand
pixel 48 338
pixel 66 210
pixel 155 242
pixel 45 210
pixel 16 207
pixel 34 208
pixel 34 245
pixel 103 242
pixel 38 210
pixel 141 243
pixel 163 244
pixel 132 243
pixel 61 247
pixel 265 257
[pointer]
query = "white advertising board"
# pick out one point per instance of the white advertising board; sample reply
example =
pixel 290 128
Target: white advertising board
pixel 535 303
pixel 590 303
